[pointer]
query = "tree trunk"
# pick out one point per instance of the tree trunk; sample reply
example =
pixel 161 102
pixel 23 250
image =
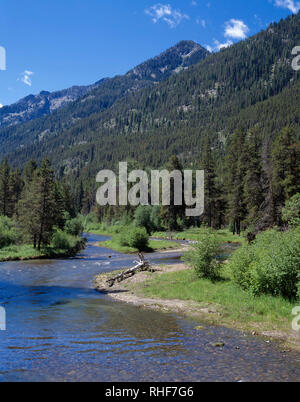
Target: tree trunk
pixel 142 265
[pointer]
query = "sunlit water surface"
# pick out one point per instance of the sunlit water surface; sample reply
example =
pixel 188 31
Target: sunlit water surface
pixel 60 329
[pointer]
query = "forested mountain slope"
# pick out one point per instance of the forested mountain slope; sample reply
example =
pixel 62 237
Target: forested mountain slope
pixel 249 84
pixel 45 103
pixel 87 100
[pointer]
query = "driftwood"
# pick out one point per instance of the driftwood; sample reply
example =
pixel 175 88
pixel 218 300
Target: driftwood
pixel 141 265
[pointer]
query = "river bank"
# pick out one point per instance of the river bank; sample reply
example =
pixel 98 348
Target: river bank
pixel 28 252
pixel 154 245
pixel 175 288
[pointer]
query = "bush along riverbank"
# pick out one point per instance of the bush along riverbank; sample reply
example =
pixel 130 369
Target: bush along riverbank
pixel 128 237
pixel 62 243
pixel 214 290
pixel 134 239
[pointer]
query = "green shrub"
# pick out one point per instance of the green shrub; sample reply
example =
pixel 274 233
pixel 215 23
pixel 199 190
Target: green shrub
pixel 75 227
pixel 142 217
pixel 291 211
pixel 203 257
pixel 138 238
pixel 134 237
pixel 156 220
pixel 61 240
pixel 9 235
pixel 269 266
pixel 125 220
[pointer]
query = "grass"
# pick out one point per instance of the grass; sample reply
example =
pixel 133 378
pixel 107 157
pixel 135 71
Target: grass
pixel 103 229
pixel 19 253
pixel 154 245
pixel 193 234
pixel 28 252
pixel 236 307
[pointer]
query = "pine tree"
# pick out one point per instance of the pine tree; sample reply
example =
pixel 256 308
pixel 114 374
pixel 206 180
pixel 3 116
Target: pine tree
pixel 38 208
pixel 285 169
pixel 171 213
pixel 5 190
pixel 211 193
pixel 16 185
pixel 235 172
pixel 80 197
pixel 253 185
pixel 68 200
pixel 59 213
pixel 29 170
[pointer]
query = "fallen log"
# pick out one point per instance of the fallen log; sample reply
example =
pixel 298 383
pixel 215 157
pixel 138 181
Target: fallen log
pixel 141 265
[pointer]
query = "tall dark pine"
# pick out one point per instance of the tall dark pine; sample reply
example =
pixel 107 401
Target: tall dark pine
pixel 211 193
pixel 171 213
pixel 5 190
pixel 16 184
pixel 253 181
pixel 285 169
pixel 235 172
pixel 38 210
pixel 29 170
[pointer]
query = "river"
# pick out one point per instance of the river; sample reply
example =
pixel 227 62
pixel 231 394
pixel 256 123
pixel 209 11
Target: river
pixel 60 329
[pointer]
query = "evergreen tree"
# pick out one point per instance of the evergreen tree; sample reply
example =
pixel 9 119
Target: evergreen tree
pixel 285 169
pixel 80 197
pixel 29 170
pixel 16 186
pixel 5 189
pixel 38 207
pixel 235 172
pixel 172 213
pixel 68 200
pixel 211 193
pixel 253 185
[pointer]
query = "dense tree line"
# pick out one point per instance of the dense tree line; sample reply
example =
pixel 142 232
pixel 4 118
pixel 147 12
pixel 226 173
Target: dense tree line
pixel 248 190
pixel 36 200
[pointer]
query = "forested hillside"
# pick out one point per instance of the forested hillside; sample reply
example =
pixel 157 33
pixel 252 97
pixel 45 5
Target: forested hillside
pixel 93 99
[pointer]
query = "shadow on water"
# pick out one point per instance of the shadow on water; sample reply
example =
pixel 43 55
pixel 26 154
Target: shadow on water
pixel 59 328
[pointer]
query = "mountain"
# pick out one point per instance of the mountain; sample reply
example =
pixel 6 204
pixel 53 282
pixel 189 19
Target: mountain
pixel 45 103
pixel 93 98
pixel 250 84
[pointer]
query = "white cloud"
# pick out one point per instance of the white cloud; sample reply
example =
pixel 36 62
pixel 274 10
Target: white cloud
pixel 26 77
pixel 1 106
pixel 293 6
pixel 236 29
pixel 166 13
pixel 218 45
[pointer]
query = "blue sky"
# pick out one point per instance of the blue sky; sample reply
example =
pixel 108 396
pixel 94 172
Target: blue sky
pixel 55 44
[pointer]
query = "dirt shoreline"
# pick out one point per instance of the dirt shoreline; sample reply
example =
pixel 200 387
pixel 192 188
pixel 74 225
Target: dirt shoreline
pixel 125 292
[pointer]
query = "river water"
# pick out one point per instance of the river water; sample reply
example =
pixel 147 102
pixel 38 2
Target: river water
pixel 60 329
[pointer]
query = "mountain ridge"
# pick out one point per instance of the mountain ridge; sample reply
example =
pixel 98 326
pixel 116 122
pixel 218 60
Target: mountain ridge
pixel 173 60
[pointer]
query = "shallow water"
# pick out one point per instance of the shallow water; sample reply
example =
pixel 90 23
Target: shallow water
pixel 60 329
